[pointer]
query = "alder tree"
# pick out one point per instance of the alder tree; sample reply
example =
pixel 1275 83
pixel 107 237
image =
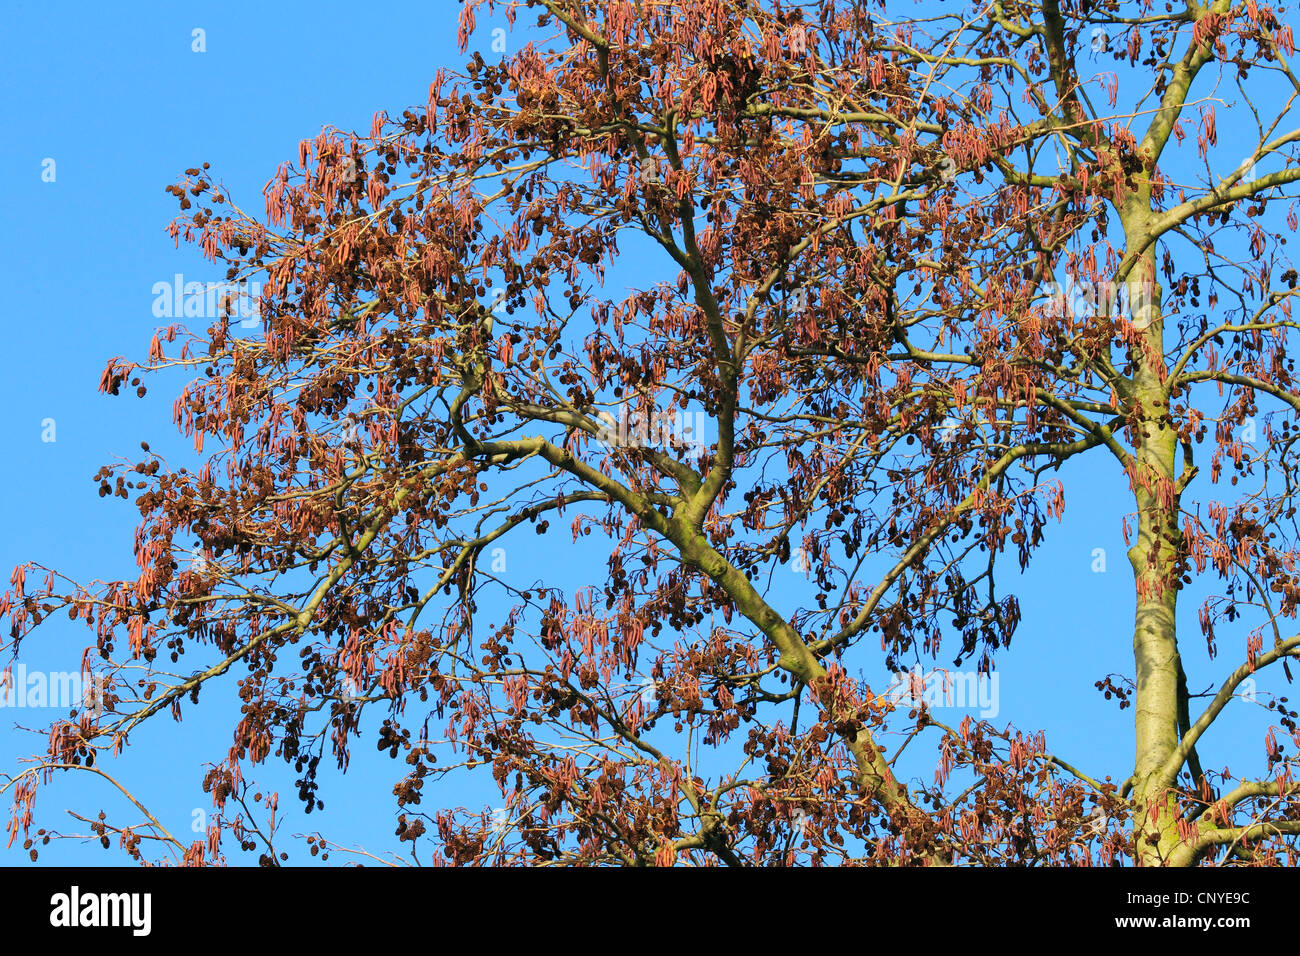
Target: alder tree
pixel 701 292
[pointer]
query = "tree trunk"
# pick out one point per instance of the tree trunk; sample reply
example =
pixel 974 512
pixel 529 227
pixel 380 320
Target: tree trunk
pixel 1154 557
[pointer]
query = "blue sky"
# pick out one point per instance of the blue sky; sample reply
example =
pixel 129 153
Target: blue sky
pixel 117 98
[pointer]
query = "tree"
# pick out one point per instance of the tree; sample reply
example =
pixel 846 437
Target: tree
pixel 1126 372
pixel 839 355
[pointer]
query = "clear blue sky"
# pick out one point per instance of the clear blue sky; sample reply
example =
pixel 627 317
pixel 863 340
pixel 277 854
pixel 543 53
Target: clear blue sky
pixel 117 98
